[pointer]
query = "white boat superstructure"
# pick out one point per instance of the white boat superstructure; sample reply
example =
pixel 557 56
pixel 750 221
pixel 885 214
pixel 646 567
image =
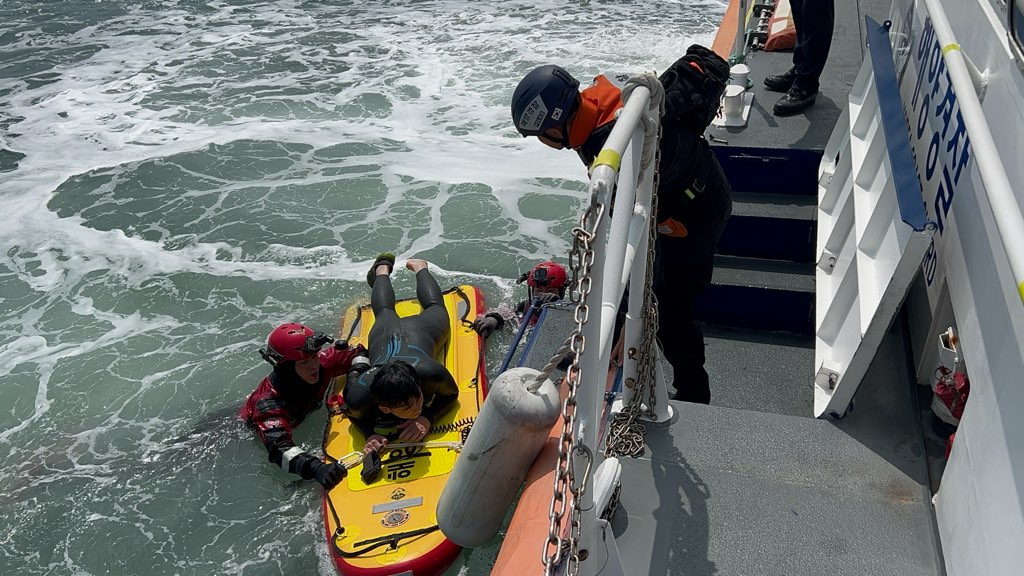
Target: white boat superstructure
pixel 962 91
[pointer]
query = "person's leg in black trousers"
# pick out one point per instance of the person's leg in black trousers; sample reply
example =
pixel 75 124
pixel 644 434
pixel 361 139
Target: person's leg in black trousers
pixel 814 20
pixel 680 280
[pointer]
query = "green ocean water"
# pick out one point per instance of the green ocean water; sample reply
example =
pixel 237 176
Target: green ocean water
pixel 177 177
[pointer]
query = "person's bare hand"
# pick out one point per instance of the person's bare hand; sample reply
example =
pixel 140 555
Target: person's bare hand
pixel 375 443
pixel 414 430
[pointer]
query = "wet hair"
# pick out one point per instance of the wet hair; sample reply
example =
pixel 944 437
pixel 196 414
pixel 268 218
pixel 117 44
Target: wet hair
pixel 395 385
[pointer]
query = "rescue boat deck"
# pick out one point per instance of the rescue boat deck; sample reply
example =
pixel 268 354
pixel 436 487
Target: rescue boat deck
pixel 724 489
pixel 753 484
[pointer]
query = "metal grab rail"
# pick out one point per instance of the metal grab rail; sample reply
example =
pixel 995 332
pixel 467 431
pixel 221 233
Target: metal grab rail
pixel 618 250
pixel 1007 215
pixel 612 260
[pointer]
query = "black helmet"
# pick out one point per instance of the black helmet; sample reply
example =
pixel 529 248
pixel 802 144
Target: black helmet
pixel 545 98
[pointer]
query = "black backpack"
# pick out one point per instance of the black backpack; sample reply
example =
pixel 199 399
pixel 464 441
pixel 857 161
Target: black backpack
pixel 692 96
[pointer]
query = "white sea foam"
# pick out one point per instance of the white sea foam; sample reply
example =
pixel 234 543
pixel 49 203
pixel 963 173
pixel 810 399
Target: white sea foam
pixel 149 240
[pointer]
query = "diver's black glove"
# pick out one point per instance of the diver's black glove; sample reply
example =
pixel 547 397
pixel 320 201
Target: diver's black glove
pixel 328 475
pixel 486 325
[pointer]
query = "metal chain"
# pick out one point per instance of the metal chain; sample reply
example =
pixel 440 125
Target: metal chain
pixel 625 436
pixel 574 295
pixel 581 260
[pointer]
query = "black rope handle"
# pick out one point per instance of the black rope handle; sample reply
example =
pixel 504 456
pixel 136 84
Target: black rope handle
pixel 391 540
pixel 465 298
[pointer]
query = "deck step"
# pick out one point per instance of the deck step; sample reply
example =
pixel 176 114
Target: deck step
pixel 771 226
pixel 761 371
pixel 759 294
pixel 770 170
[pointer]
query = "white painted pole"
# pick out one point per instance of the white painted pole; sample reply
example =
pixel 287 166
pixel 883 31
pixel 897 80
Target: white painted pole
pixel 739 46
pixel 619 256
pixel 590 391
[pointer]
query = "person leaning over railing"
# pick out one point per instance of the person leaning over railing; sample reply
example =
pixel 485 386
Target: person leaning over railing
pixel 694 197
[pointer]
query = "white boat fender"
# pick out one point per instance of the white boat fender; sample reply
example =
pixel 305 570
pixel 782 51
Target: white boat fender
pixel 509 432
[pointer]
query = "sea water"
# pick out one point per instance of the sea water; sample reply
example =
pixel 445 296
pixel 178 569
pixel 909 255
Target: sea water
pixel 177 177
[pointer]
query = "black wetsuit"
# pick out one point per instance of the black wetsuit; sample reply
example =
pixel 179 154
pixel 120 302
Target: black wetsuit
pixel 413 339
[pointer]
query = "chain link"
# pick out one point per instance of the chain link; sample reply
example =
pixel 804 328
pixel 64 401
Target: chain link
pixel 581 260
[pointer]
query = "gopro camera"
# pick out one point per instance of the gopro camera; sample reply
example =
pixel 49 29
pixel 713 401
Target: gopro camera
pixel 316 341
pixel 540 276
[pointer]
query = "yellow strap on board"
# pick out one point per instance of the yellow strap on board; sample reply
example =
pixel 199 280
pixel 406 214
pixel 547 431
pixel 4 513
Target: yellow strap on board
pixel 1020 290
pixel 607 157
pixel 949 47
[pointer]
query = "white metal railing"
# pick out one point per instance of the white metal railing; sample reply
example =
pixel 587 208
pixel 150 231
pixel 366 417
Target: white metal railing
pixel 1007 214
pixel 620 251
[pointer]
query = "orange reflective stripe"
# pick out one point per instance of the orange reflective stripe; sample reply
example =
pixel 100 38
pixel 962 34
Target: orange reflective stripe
pixel 598 105
pixel 608 97
pixel 672 228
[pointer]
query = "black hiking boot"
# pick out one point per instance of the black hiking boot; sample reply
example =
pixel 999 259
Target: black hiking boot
pixel 780 82
pixel 795 101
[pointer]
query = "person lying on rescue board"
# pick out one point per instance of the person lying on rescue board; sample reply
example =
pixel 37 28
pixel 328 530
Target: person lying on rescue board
pixel 302 372
pixel 403 389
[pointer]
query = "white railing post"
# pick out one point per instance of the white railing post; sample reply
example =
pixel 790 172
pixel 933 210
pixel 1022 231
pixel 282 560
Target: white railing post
pixel 739 46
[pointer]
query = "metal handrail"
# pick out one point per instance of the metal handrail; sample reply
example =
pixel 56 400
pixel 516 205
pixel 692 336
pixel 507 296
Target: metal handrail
pixel 619 249
pixel 1005 211
pixel 606 289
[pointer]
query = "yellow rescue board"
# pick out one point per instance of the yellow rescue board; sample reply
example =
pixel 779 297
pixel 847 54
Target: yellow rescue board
pixel 390 525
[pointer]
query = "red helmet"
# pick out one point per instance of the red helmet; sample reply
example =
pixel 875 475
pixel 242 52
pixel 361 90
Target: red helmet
pixel 547 275
pixel 291 342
